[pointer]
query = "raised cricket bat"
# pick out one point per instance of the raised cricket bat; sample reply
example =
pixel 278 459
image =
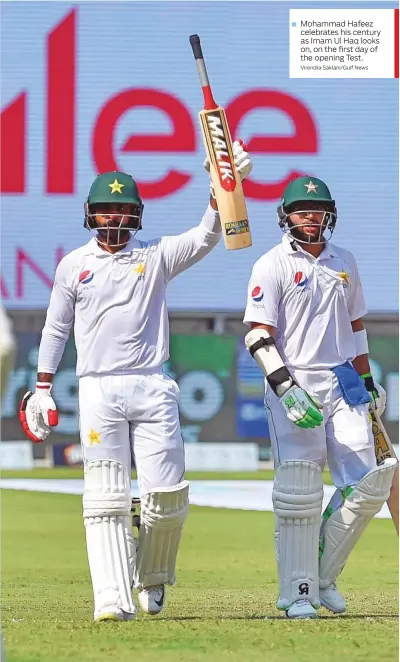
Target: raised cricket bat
pixel 383 450
pixel 226 181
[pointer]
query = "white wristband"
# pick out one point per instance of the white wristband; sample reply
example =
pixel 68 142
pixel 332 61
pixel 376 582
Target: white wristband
pixel 361 340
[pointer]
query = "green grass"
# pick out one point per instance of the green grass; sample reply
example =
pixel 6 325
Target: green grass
pixel 77 472
pixel 226 587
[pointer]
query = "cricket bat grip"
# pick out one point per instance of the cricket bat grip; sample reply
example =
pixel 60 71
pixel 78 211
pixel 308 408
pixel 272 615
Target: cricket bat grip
pixel 196 46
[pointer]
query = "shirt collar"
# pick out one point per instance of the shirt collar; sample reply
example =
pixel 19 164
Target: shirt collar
pixel 94 248
pixel 290 247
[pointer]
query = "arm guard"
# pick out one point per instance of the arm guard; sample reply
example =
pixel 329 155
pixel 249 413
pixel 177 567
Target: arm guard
pixel 263 349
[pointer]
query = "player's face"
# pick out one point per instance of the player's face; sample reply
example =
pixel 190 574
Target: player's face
pixel 114 222
pixel 308 216
pixel 112 215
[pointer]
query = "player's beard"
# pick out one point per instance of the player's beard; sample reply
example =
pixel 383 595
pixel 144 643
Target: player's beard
pixel 115 234
pixel 113 237
pixel 298 233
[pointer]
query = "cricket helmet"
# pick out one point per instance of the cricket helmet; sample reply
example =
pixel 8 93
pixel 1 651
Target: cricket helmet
pixel 304 190
pixel 114 188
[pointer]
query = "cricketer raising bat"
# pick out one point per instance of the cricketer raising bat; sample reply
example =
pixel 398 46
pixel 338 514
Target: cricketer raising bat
pixel 383 450
pixel 226 181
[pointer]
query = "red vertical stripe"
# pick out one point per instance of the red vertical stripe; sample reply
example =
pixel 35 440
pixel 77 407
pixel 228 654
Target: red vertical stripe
pixel 61 107
pixel 13 146
pixel 396 43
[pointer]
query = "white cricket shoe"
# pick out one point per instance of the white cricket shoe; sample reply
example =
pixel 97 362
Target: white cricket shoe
pixel 331 599
pixel 113 613
pixel 301 609
pixel 152 599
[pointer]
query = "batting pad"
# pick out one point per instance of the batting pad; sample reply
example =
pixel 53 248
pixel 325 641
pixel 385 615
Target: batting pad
pixel 163 512
pixel 109 536
pixel 297 498
pixel 344 528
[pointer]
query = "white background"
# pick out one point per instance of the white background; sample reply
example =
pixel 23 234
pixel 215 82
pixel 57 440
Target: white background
pixel 379 64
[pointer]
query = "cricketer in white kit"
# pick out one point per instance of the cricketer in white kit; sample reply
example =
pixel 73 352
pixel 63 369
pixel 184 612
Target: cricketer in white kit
pixel 305 307
pixel 114 291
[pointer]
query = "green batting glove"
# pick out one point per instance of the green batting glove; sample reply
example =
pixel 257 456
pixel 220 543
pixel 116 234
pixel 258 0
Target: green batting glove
pixel 301 408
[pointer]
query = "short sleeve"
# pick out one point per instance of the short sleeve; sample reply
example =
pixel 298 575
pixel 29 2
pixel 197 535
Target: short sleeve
pixel 263 293
pixel 356 303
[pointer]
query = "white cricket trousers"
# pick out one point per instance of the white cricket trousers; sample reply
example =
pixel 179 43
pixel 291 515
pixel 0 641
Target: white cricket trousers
pixel 138 411
pixel 344 439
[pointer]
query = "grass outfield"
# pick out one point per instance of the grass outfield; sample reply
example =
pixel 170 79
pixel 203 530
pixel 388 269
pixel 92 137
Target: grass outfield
pixel 216 613
pixel 77 472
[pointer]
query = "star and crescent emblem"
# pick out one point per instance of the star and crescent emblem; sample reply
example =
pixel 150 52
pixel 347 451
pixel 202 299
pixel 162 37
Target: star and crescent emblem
pixel 141 268
pixel 94 437
pixel 116 186
pixel 311 187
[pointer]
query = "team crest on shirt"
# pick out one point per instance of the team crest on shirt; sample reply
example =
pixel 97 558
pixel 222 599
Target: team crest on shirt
pixel 94 437
pixel 86 277
pixel 257 294
pixel 300 279
pixel 140 270
pixel 345 278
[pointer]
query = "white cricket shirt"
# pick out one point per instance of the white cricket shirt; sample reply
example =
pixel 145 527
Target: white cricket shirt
pixel 311 301
pixel 118 301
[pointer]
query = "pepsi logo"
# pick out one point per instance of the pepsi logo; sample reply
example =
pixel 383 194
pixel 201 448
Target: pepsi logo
pixel 300 279
pixel 257 294
pixel 85 277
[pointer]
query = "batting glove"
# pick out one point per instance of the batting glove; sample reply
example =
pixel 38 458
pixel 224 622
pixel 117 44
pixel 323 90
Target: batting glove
pixel 377 394
pixel 241 159
pixel 38 412
pixel 301 408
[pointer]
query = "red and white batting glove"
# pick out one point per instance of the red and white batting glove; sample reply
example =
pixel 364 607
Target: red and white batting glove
pixel 241 159
pixel 38 412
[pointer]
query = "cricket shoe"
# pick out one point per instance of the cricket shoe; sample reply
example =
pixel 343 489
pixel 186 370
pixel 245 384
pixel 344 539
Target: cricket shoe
pixel 331 599
pixel 113 613
pixel 301 609
pixel 152 599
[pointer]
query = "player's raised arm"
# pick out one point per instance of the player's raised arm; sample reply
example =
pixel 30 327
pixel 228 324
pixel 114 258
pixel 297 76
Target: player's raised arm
pixel 182 251
pixel 38 411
